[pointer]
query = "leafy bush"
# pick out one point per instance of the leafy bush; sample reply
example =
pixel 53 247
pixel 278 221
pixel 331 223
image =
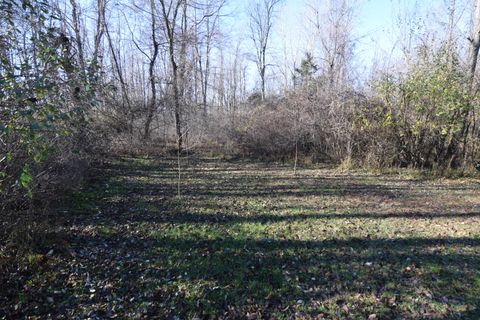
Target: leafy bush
pixel 43 129
pixel 425 115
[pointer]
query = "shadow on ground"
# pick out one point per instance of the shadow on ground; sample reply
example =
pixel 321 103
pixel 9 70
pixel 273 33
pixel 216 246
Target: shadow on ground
pixel 237 246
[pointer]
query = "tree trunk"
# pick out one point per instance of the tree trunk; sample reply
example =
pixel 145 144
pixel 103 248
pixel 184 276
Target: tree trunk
pixel 151 74
pixel 100 29
pixel 78 37
pixel 120 74
pixel 475 42
pixel 170 30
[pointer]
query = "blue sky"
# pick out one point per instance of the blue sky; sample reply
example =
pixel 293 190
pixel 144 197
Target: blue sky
pixel 380 27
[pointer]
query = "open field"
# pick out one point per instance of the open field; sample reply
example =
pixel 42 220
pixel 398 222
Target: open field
pixel 254 241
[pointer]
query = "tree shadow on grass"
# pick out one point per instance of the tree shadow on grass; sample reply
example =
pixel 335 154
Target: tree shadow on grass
pixel 159 178
pixel 158 265
pixel 229 219
pixel 415 278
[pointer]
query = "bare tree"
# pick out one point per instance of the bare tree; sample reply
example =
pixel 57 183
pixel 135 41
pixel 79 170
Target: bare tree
pixel 333 25
pixel 100 30
pixel 151 73
pixel 170 14
pixel 233 83
pixel 78 36
pixel 262 14
pixel 88 71
pixel 119 71
pixel 206 27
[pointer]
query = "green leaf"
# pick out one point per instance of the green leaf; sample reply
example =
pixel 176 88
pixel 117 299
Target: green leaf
pixel 25 179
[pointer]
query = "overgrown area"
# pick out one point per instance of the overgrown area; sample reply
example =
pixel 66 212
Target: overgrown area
pixel 218 159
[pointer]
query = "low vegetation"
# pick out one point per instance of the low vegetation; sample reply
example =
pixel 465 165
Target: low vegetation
pixel 249 240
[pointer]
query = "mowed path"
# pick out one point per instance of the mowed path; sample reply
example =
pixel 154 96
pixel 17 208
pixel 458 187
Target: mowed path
pixel 249 240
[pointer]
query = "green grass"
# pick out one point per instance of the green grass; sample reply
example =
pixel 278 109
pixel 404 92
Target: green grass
pixel 247 240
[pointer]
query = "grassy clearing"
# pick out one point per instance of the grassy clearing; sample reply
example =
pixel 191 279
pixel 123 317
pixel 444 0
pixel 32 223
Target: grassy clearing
pixel 249 240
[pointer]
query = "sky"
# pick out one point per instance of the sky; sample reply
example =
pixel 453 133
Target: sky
pixel 379 27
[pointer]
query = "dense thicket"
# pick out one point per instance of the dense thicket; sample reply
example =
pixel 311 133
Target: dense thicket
pixel 45 99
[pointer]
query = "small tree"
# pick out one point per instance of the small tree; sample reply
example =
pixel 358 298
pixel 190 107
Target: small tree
pixel 304 75
pixel 262 14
